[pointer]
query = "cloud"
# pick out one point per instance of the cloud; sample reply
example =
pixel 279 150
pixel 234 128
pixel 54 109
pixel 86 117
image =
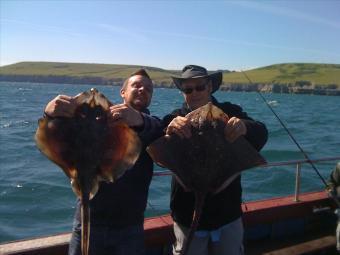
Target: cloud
pixel 52 29
pixel 125 32
pixel 283 11
pixel 244 43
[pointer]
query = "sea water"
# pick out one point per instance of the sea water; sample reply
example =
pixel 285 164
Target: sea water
pixel 35 195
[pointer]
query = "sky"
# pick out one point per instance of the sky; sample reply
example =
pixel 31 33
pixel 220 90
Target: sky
pixel 232 35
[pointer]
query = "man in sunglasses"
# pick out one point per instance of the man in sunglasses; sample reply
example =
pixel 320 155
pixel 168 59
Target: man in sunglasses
pixel 220 229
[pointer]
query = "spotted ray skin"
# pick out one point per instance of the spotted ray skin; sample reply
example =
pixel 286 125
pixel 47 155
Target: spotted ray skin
pixel 206 162
pixel 88 149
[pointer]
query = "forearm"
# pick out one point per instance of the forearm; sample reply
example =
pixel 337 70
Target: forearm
pixel 257 133
pixel 150 130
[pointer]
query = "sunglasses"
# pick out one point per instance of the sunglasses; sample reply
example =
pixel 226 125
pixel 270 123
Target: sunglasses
pixel 197 88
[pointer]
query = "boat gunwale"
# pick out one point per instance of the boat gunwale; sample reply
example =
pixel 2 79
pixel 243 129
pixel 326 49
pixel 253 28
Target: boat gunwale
pixel 158 229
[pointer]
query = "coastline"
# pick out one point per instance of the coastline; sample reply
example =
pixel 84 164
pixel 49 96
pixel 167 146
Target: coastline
pixel 285 78
pixel 289 88
pixel 324 90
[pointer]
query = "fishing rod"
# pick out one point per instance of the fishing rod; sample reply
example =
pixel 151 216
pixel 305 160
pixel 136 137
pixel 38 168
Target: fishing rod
pixel 295 141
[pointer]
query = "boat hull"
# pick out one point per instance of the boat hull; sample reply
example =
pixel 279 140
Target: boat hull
pixel 270 225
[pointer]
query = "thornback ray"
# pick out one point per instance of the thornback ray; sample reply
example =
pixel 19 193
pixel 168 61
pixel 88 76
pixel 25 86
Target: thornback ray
pixel 206 162
pixel 88 149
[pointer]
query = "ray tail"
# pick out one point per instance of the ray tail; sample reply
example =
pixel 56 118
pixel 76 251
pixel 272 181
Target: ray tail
pixel 85 224
pixel 199 202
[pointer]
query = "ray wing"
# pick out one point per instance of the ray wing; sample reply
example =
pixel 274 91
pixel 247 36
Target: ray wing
pixel 52 140
pixel 121 152
pixel 206 161
pixel 88 148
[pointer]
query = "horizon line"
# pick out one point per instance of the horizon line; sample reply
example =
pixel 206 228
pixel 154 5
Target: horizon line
pixel 174 69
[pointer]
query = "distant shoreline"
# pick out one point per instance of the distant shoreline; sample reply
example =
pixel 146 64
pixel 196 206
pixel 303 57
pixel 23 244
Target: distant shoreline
pixel 240 87
pixel 283 89
pixel 286 78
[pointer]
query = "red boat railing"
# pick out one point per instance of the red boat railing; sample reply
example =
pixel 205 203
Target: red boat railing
pixel 158 230
pixel 298 164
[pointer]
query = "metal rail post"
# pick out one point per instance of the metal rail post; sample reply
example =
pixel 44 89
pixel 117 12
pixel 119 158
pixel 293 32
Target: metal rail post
pixel 297 182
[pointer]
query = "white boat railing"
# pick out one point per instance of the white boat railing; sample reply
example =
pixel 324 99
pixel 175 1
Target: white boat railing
pixel 298 164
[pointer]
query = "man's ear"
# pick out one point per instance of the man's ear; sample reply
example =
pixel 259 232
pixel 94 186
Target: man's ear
pixel 122 93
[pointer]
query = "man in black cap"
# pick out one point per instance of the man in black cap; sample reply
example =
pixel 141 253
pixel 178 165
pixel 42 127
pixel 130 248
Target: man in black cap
pixel 220 229
pixel 117 210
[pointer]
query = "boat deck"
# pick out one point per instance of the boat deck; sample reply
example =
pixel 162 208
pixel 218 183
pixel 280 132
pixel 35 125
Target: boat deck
pixel 314 243
pixel 273 226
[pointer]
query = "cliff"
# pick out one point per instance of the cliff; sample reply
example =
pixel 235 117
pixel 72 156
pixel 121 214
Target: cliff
pixel 297 78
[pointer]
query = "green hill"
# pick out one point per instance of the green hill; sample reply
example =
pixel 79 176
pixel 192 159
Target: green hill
pixel 322 74
pixel 293 74
pixel 105 73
